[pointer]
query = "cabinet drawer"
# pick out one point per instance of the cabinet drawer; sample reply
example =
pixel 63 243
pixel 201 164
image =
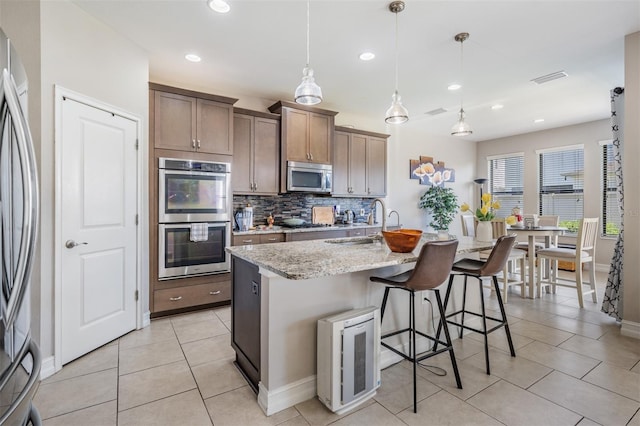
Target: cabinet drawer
pixel 244 240
pixel 193 295
pixel 271 238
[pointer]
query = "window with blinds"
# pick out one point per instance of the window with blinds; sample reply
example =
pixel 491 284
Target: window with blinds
pixel 561 185
pixel 611 217
pixel 506 182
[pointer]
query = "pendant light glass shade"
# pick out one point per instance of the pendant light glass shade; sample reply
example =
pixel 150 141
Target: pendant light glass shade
pixel 397 113
pixel 308 92
pixel 461 128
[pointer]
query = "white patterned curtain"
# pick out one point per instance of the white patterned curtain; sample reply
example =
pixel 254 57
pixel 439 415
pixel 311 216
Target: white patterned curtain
pixel 612 303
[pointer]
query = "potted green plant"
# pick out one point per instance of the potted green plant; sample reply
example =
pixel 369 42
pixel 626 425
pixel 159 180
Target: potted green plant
pixel 442 204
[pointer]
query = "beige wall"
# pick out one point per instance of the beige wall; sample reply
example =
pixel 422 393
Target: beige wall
pixel 62 45
pixel 631 141
pixel 587 134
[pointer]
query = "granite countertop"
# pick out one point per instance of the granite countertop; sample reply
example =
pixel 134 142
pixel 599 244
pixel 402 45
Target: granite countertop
pixel 283 229
pixel 302 260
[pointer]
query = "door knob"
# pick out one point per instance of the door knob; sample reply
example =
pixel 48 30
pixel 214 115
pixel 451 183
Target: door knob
pixel 71 244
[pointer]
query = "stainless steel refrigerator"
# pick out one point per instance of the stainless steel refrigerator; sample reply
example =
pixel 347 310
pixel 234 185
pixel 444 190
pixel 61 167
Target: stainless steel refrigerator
pixel 19 355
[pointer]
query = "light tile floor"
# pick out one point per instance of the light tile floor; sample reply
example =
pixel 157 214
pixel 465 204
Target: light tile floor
pixel 572 367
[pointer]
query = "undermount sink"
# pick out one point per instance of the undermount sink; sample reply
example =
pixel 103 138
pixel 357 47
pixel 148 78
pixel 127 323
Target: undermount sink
pixel 352 241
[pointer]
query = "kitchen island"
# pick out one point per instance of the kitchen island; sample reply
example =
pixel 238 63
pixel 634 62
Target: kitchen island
pixel 281 290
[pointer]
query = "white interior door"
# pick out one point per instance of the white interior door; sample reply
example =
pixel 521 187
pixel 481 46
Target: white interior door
pixel 98 171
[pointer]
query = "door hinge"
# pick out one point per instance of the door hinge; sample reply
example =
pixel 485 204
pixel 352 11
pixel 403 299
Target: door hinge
pixel 136 219
pixel 137 144
pixel 137 295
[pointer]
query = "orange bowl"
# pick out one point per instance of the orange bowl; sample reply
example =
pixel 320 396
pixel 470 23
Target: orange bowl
pixel 402 240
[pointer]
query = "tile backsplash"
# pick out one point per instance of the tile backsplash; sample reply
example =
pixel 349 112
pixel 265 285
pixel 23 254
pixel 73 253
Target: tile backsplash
pixel 297 205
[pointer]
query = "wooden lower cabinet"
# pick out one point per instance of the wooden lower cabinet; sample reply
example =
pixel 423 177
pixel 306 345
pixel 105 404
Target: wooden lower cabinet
pixel 169 299
pixel 245 240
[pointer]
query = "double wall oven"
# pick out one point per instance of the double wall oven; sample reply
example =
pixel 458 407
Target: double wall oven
pixel 194 215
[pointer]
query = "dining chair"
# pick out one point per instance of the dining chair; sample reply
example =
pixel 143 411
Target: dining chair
pixel 543 220
pixel 515 261
pixel 431 270
pixel 585 252
pixel 468 225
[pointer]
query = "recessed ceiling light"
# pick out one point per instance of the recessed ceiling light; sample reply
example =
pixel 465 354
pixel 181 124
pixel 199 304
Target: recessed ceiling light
pixel 192 57
pixel 497 106
pixel 454 86
pixel 367 56
pixel 219 6
pixel 538 120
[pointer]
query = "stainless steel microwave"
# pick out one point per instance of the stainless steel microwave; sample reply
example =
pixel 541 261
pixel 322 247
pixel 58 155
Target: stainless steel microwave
pixel 309 177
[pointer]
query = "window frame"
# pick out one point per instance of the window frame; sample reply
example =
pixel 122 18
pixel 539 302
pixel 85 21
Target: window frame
pixel 490 179
pixel 604 190
pixel 539 153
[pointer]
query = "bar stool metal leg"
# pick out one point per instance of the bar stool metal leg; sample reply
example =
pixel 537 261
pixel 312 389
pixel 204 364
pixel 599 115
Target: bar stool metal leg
pixel 448 339
pixel 484 325
pixel 504 319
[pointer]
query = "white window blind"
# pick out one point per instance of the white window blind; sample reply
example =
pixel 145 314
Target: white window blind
pixel 611 218
pixel 506 182
pixel 561 185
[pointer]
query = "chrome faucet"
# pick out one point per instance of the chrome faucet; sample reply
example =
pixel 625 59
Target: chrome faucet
pixel 384 212
pixel 397 214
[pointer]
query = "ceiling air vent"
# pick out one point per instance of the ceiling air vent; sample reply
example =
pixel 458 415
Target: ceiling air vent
pixel 436 111
pixel 549 77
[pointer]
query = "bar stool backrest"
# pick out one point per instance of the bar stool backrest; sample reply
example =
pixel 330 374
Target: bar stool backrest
pixel 499 255
pixel 433 265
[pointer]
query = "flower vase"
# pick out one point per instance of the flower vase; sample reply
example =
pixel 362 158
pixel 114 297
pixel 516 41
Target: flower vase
pixel 484 231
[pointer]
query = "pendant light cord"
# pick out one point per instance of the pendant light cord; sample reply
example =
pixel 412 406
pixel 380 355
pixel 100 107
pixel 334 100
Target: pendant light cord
pixel 462 72
pixel 308 7
pixel 396 52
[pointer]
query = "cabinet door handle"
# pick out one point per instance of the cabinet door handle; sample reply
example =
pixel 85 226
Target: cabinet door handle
pixel 311 157
pixel 193 143
pixel 214 293
pixel 247 241
pixel 198 144
pixel 255 186
pixel 175 299
pixel 272 239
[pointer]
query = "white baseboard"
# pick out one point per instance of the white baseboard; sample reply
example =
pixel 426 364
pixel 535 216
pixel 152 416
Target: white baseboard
pixel 286 396
pixel 146 319
pixel 630 329
pixel 48 367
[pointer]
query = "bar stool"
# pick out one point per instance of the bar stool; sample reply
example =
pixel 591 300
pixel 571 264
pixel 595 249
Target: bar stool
pixel 479 269
pixel 431 270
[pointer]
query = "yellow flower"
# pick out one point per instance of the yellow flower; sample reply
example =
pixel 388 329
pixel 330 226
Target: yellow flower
pixel 484 210
pixel 496 205
pixel 464 207
pixel 486 197
pixel 511 220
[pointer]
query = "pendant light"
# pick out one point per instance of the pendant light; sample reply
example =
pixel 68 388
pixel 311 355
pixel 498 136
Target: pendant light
pixel 308 92
pixel 461 128
pixel 397 113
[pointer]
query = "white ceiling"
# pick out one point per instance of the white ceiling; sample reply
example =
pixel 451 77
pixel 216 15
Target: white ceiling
pixel 258 50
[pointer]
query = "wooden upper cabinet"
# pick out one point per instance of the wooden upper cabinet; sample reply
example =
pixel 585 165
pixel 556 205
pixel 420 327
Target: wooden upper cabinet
pixel 256 146
pixel 341 164
pixel 320 138
pixel 359 163
pixel 175 121
pixel 377 167
pixel 307 133
pixel 191 121
pixel 214 124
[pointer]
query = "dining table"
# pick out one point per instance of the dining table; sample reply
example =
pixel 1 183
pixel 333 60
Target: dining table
pixel 548 232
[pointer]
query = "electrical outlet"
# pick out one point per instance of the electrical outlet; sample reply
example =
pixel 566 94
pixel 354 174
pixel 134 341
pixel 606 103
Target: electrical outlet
pixel 361 212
